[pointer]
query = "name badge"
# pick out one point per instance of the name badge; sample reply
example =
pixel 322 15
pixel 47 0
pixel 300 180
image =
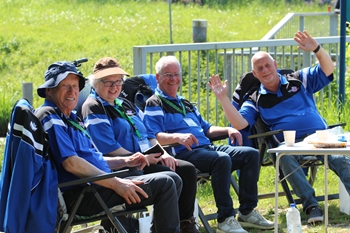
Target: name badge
pixel 190 122
pixel 144 145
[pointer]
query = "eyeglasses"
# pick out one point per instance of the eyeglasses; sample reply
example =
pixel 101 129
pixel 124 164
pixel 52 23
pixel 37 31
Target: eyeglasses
pixel 170 75
pixel 118 82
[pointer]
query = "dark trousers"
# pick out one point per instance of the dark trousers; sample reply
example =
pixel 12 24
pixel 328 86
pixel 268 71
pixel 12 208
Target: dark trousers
pixel 220 162
pixel 188 174
pixel 166 188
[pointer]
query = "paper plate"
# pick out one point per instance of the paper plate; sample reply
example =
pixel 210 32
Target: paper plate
pixel 329 144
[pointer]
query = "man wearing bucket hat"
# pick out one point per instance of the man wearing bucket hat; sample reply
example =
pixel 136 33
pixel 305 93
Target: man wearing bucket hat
pixel 75 156
pixel 116 128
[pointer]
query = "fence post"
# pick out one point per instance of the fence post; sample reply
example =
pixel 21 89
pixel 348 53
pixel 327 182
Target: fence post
pixel 199 30
pixel 27 92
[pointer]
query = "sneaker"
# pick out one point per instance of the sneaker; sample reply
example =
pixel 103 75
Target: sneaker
pixel 188 226
pixel 315 215
pixel 255 220
pixel 230 225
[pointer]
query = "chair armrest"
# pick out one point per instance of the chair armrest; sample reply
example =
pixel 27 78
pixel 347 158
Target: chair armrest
pixel 266 134
pixel 93 178
pixel 213 139
pixel 335 125
pixel 218 138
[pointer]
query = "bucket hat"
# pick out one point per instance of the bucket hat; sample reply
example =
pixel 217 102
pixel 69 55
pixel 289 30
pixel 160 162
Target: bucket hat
pixel 57 72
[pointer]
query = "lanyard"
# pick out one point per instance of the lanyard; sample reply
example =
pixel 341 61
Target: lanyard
pixel 77 126
pixel 126 117
pixel 182 111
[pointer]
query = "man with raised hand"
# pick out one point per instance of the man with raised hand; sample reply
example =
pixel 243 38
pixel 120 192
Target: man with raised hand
pixel 286 102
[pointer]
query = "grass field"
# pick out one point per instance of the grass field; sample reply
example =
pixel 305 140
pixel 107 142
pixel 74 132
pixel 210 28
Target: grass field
pixel 338 221
pixel 35 33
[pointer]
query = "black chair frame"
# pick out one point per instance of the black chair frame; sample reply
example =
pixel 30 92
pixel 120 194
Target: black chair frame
pixel 72 220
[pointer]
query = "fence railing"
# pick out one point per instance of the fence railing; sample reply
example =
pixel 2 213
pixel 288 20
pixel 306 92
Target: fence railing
pixel 232 59
pixel 327 25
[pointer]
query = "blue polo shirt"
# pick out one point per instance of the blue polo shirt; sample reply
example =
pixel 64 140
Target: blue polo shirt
pixel 108 129
pixel 66 141
pixel 292 107
pixel 162 117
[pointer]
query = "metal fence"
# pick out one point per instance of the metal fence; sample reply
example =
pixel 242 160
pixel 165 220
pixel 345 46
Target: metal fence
pixel 232 59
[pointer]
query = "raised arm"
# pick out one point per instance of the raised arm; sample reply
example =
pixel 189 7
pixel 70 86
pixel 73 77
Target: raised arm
pixel 232 115
pixel 308 43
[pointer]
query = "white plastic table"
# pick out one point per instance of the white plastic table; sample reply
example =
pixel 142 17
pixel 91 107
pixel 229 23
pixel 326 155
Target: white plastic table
pixel 303 148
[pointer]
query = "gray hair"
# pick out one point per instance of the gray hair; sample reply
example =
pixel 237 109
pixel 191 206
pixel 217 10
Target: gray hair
pixel 166 60
pixel 92 80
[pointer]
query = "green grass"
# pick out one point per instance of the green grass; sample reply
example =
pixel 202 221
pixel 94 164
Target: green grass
pixel 338 221
pixel 35 33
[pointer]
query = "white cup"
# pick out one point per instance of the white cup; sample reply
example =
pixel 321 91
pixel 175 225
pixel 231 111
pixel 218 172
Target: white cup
pixel 289 137
pixel 322 135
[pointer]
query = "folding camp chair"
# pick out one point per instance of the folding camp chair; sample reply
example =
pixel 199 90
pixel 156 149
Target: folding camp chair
pixel 29 192
pixel 262 139
pixel 71 219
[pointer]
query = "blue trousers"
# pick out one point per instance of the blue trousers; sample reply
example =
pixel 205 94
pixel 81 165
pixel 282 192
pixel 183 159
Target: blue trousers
pixel 220 162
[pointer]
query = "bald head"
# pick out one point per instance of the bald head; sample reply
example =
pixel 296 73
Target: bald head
pixel 260 55
pixel 264 68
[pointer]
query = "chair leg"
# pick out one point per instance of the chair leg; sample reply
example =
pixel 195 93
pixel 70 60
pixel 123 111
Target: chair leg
pixel 111 217
pixel 204 220
pixel 313 172
pixel 234 185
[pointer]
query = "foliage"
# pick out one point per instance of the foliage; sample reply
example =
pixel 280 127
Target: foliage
pixel 35 33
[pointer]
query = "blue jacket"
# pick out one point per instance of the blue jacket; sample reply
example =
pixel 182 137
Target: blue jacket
pixel 28 182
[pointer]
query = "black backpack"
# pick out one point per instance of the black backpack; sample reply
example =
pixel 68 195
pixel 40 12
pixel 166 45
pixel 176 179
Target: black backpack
pixel 138 89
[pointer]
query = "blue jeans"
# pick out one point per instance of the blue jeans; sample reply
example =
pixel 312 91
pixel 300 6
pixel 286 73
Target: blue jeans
pixel 338 163
pixel 220 162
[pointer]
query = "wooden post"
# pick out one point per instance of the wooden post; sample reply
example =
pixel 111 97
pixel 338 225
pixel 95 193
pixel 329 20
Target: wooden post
pixel 27 92
pixel 199 27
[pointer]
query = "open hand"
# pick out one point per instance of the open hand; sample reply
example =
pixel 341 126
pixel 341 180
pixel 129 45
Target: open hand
pixel 305 41
pixel 219 89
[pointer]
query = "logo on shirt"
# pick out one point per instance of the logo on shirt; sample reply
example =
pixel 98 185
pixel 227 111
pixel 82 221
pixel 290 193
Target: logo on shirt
pixel 33 126
pixel 293 89
pixel 82 124
pixel 129 113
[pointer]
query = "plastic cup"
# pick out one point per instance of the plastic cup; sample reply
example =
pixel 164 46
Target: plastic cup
pixel 289 137
pixel 322 135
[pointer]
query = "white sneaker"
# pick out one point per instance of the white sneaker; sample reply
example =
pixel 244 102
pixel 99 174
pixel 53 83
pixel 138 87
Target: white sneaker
pixel 230 225
pixel 255 220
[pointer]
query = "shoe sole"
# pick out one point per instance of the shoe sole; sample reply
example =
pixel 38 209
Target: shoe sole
pixel 251 225
pixel 220 231
pixel 315 220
